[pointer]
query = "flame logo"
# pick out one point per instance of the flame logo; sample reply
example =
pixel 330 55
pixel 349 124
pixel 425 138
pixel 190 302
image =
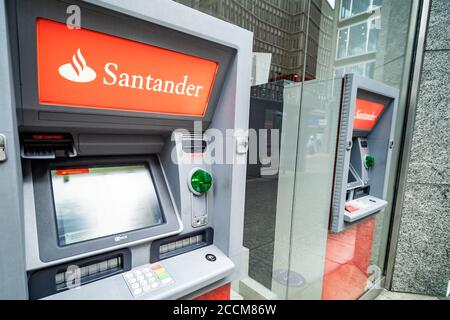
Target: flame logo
pixel 77 70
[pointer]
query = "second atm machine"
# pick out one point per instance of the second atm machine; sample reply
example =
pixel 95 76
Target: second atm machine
pixel 365 142
pixel 111 206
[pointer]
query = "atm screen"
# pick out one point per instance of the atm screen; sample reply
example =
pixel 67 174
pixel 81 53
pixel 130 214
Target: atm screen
pixel 94 202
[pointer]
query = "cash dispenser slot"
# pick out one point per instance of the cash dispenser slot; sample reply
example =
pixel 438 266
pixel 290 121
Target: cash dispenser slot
pixel 47 146
pixel 176 245
pixel 62 277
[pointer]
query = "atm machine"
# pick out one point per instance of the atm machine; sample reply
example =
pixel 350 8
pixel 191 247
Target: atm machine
pixel 364 147
pixel 113 198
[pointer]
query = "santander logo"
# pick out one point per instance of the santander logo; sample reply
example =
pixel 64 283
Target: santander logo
pixel 77 70
pixel 89 69
pixel 367 114
pixel 361 115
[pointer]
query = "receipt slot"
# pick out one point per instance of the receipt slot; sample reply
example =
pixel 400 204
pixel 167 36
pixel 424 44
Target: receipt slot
pixel 365 142
pixel 116 197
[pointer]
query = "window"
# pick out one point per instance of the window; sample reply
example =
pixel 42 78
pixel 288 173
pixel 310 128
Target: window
pixel 346 8
pixel 342 43
pixel 357 39
pixel 373 34
pixel 360 6
pixel 370 69
pixel 377 3
pixel 350 8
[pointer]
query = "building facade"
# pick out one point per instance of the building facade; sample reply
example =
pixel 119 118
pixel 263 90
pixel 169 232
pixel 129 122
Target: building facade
pixel 279 27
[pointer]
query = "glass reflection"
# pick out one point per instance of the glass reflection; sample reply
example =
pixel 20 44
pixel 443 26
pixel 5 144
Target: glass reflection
pixel 302 49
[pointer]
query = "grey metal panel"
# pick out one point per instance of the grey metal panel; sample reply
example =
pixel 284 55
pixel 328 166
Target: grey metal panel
pixel 379 148
pixel 171 171
pixel 114 144
pixel 13 283
pixel 102 20
pixel 342 160
pixel 177 172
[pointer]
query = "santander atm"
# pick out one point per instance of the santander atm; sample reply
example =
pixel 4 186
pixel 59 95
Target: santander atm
pixel 364 146
pixel 110 202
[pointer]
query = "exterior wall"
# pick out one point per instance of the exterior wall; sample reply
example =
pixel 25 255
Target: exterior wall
pixel 422 263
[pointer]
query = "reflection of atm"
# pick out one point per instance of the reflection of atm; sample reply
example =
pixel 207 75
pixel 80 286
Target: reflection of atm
pixel 365 142
pixel 115 203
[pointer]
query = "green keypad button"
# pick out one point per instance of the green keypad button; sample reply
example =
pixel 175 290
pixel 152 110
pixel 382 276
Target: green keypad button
pixel 369 161
pixel 162 276
pixel 201 181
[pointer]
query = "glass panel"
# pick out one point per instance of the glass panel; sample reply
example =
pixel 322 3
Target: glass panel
pixel 357 68
pixel 357 39
pixel 339 72
pixel 348 263
pixel 279 29
pixel 370 69
pixel 346 7
pixel 310 187
pixel 342 43
pixel 300 56
pixel 375 26
pixel 360 6
pixel 377 3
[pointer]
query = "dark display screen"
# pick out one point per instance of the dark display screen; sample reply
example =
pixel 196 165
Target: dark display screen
pixel 351 177
pixel 94 202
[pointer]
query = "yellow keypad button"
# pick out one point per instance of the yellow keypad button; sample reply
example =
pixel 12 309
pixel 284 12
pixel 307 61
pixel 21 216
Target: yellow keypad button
pixel 159 271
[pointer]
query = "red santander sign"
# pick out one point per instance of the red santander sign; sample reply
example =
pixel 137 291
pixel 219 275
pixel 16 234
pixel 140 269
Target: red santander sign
pixel 367 114
pixel 89 69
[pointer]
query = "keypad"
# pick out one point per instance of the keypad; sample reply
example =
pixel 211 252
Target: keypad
pixel 146 278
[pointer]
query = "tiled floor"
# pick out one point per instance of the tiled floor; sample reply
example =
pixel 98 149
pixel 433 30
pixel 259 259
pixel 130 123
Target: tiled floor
pixel 388 295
